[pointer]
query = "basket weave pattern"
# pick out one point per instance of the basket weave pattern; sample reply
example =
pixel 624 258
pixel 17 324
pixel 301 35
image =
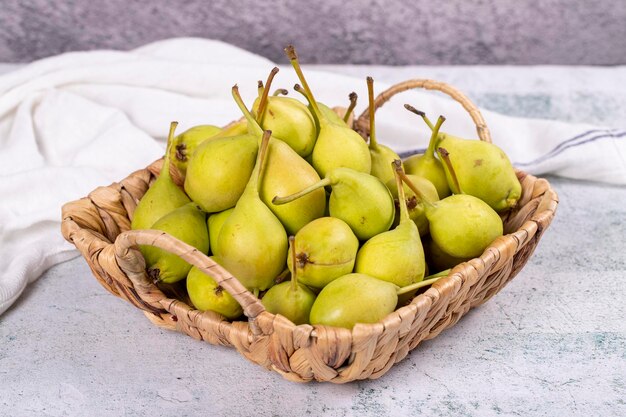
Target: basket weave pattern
pixel 99 225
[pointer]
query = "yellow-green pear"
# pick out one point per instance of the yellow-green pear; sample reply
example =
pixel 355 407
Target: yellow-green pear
pixel 162 197
pixel 461 225
pixel 205 295
pixel 186 223
pixel 290 299
pixel 397 255
pixel 361 200
pixel 353 298
pixel 337 145
pixel 482 170
pixel 286 172
pixel 427 165
pixel 186 143
pixel 289 119
pixel 253 243
pixel 219 170
pixel 325 249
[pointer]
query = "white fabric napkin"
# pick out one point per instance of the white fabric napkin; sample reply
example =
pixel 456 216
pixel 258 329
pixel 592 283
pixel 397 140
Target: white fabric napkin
pixel 76 121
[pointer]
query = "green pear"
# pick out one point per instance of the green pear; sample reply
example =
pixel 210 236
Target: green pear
pixel 359 298
pixel 414 205
pixel 162 197
pixel 252 242
pixel 382 156
pixel 325 249
pixel 286 172
pixel 483 170
pixel 289 120
pixel 353 298
pixel 361 200
pixel 219 170
pixel 215 223
pixel 290 299
pixel 186 143
pixel 337 145
pixel 461 225
pixel 186 223
pixel 427 165
pixel 205 295
pixel 397 255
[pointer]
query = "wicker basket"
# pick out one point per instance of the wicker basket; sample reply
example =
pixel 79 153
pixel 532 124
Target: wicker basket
pixel 99 227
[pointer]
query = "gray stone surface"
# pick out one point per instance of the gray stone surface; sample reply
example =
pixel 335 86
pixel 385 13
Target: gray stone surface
pixel 394 32
pixel 551 343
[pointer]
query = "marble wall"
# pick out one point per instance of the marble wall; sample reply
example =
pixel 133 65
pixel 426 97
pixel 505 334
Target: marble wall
pixel 392 32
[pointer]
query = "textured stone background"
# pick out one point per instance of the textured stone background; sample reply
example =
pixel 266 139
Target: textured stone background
pixel 395 32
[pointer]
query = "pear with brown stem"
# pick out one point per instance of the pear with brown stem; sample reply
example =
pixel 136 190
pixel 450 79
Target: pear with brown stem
pixel 287 118
pixel 205 295
pixel 290 299
pixel 325 249
pixel 360 298
pixel 427 165
pixel 337 145
pixel 252 242
pixel 462 225
pixel 483 170
pixel 361 200
pixel 219 170
pixel 397 255
pixel 382 156
pixel 185 144
pixel 186 223
pixel 163 196
pixel 285 173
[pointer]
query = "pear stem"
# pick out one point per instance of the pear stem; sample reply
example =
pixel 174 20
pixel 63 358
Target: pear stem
pixel 265 140
pixel 288 199
pixel 421 114
pixel 260 88
pixel 253 125
pixel 434 136
pixel 429 280
pixel 280 92
pixel 293 57
pixel 263 100
pixel 372 112
pixel 353 98
pixel 165 169
pixel 298 88
pixel 404 211
pixel 445 155
pixel 412 186
pixel 294 278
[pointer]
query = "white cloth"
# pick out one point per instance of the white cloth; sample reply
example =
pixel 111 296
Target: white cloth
pixel 79 120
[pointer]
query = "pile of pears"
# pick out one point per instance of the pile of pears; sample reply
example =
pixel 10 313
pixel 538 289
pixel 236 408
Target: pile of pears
pixel 324 227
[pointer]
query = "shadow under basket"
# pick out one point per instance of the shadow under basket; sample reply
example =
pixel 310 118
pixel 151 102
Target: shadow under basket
pixel 99 227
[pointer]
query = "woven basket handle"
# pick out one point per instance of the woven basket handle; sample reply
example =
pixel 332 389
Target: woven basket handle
pixel 362 124
pixel 250 304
